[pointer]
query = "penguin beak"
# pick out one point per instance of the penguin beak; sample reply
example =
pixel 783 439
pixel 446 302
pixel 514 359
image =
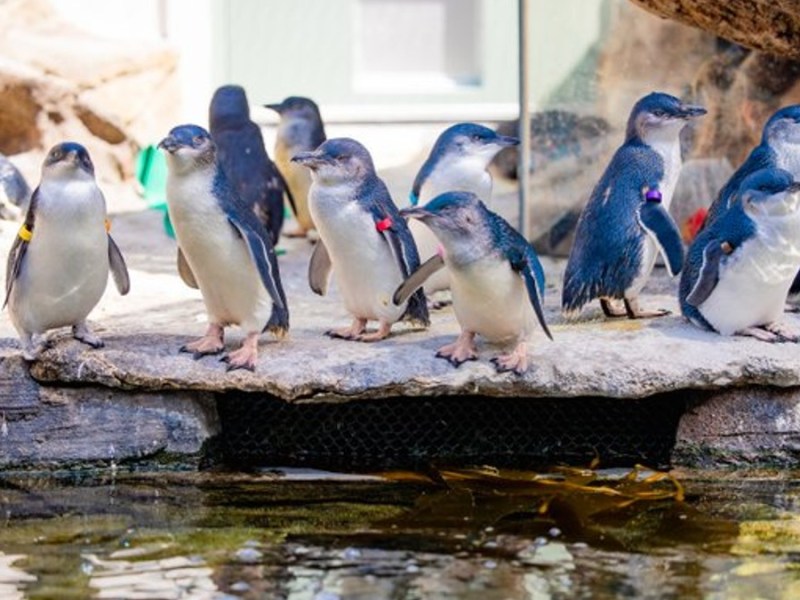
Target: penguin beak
pixel 506 140
pixel 276 107
pixel 690 111
pixel 169 144
pixel 415 212
pixel 311 159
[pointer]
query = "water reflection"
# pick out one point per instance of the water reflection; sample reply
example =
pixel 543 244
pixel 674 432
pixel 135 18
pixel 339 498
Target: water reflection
pixel 263 536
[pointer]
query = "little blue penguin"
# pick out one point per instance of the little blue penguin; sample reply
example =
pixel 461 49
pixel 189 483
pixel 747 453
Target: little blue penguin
pixel 626 221
pixel 496 279
pixel 458 162
pixel 740 267
pixel 300 130
pixel 363 240
pixel 59 262
pixel 223 249
pixel 14 189
pixel 241 151
pixel 779 148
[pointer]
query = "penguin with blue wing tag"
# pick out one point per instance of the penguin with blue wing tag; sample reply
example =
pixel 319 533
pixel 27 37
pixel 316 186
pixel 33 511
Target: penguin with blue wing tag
pixel 497 281
pixel 740 267
pixel 626 222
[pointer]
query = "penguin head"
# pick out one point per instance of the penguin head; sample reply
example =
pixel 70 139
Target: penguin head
pixel 470 140
pixel 188 147
pixel 658 116
pixel 297 107
pixel 769 192
pixel 337 160
pixel 68 159
pixel 228 107
pixel 454 217
pixel 783 126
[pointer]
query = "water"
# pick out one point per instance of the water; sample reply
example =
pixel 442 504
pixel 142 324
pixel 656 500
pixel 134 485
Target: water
pixel 481 535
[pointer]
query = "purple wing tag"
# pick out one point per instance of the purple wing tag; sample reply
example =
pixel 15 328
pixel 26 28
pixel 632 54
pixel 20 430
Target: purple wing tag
pixel 652 195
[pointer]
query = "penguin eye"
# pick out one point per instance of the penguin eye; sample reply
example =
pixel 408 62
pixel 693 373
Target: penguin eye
pixel 658 113
pixel 197 140
pixel 476 137
pixel 56 155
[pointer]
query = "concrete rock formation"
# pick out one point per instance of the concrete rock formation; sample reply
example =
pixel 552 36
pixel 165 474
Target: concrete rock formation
pixel 57 83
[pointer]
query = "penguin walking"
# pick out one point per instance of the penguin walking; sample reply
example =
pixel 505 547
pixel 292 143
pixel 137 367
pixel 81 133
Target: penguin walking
pixel 626 222
pixel 58 266
pixel 496 279
pixel 363 240
pixel 223 249
pixel 241 151
pixel 301 130
pixel 740 267
pixel 458 162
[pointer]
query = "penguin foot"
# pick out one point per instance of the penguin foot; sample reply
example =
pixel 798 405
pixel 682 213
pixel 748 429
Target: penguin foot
pixel 634 312
pixel 381 334
pixel 516 361
pixel 82 333
pixel 353 332
pixel 296 233
pixel 612 310
pixel 774 333
pixel 460 351
pixel 211 343
pixel 783 331
pixel 245 357
pixel 791 308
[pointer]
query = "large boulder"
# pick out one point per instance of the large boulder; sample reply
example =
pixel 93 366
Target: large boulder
pixel 58 82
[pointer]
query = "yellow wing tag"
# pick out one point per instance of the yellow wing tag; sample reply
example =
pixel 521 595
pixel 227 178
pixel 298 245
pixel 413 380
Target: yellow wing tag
pixel 25 234
pixel 108 225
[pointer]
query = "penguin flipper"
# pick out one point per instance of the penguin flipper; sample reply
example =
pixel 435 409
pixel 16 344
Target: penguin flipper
pixel 655 220
pixel 263 258
pixel 287 192
pixel 417 279
pixel 526 263
pixel 119 269
pixel 14 265
pixel 319 269
pixel 185 271
pixel 708 275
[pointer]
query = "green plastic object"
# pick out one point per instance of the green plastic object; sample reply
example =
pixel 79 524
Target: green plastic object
pixel 151 173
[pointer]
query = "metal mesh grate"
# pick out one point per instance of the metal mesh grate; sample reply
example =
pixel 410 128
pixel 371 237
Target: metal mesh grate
pixel 448 430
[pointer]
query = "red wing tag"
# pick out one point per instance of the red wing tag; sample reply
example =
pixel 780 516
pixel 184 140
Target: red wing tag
pixel 383 224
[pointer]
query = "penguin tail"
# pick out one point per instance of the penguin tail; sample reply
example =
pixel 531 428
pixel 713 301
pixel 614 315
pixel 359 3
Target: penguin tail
pixel 574 297
pixel 417 310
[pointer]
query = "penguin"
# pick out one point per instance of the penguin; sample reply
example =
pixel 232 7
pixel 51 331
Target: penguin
pixel 740 267
pixel 458 161
pixel 14 189
pixel 496 280
pixel 363 240
pixel 223 249
pixel 301 130
pixel 626 221
pixel 779 148
pixel 241 151
pixel 58 265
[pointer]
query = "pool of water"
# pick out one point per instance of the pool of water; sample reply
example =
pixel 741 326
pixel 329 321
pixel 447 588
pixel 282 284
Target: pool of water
pixel 481 534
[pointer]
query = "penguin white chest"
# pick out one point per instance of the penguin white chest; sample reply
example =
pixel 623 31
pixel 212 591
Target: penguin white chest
pixel 490 299
pixel 65 270
pixel 753 283
pixel 228 279
pixel 364 268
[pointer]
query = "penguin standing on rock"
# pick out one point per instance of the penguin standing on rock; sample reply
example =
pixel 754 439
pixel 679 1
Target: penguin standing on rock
pixel 626 222
pixel 741 265
pixel 363 240
pixel 223 249
pixel 458 162
pixel 497 281
pixel 241 151
pixel 300 130
pixel 59 262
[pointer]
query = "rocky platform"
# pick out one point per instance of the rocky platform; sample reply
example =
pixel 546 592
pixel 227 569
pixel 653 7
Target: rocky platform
pixel 139 398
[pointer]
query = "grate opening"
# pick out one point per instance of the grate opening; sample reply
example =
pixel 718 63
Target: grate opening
pixel 413 433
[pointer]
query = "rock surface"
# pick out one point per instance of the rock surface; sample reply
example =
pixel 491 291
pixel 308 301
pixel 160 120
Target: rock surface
pixel 620 359
pixel 766 25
